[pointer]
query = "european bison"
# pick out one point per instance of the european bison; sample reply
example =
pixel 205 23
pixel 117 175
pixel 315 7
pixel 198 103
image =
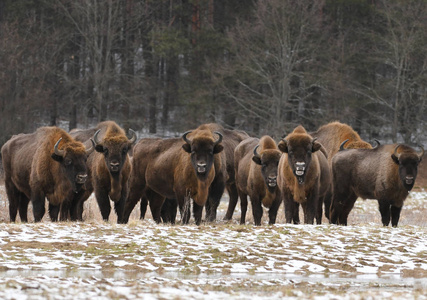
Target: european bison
pixel 177 169
pixel 109 167
pixel 331 136
pixel 48 163
pixel 256 162
pixel 386 173
pixel 303 176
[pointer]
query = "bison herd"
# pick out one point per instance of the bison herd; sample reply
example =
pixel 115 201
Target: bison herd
pixel 328 168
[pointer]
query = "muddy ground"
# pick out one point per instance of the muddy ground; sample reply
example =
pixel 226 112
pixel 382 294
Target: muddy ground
pixel 223 260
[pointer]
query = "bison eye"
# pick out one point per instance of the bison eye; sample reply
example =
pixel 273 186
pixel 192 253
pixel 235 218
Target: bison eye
pixel 68 162
pixel 105 151
pixel 125 150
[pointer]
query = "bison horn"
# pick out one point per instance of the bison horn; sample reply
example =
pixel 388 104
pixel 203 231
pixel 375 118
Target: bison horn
pixel 90 150
pixel 256 152
pixel 377 144
pixel 95 137
pixel 184 137
pixel 132 138
pixel 56 150
pixel 420 155
pixel 395 151
pixel 342 145
pixel 219 139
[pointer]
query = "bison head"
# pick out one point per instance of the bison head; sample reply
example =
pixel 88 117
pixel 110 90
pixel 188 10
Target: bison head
pixel 202 149
pixel 115 149
pixel 73 158
pixel 269 161
pixel 299 149
pixel 408 161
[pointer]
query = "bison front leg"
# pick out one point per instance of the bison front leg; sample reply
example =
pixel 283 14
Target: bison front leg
pixel 103 200
pixel 233 198
pixel 216 190
pixel 197 213
pixel 142 207
pixel 54 212
pixel 272 212
pixel 256 209
pixel 156 202
pixel 119 206
pixel 243 206
pixel 184 208
pixel 136 192
pixel 384 207
pixel 291 208
pixel 14 197
pixel 23 207
pixel 168 211
pixel 395 215
pixel 38 201
pixel 310 207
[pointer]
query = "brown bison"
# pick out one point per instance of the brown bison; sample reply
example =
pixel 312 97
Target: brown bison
pixel 386 173
pixel 109 167
pixel 169 168
pixel 231 138
pixel 303 176
pixel 331 136
pixel 256 162
pixel 48 163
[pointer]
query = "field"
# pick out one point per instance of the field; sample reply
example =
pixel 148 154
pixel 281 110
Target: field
pixel 223 260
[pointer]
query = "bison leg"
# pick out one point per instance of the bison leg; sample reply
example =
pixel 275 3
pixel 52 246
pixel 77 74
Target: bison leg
pixel 169 209
pixel 216 191
pixel 136 190
pixel 156 203
pixel 233 198
pixel 256 210
pixel 291 208
pixel 23 207
pixel 327 199
pixel 38 201
pixel 272 212
pixel 76 208
pixel 197 212
pixel 395 215
pixel 384 208
pixel 13 194
pixel 243 206
pixel 142 207
pixel 54 211
pixel 103 203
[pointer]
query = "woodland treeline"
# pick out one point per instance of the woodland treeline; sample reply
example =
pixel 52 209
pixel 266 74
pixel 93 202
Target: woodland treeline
pixel 165 66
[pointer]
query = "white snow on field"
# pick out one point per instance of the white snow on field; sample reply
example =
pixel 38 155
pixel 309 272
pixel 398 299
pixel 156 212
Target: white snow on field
pixel 215 261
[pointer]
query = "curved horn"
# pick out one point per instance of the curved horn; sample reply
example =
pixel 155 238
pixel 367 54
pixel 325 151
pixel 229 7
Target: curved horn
pixel 90 150
pixel 377 145
pixel 256 152
pixel 95 137
pixel 395 151
pixel 184 137
pixel 342 145
pixel 220 138
pixel 420 155
pixel 132 138
pixel 313 140
pixel 56 150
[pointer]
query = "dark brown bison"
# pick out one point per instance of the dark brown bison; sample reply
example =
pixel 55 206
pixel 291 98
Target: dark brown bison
pixel 331 137
pixel 256 162
pixel 109 167
pixel 176 169
pixel 386 173
pixel 48 163
pixel 231 138
pixel 303 176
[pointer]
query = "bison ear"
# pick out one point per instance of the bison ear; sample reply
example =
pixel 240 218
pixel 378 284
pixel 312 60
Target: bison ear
pixel 283 146
pixel 316 147
pixel 99 148
pixel 395 158
pixel 57 157
pixel 256 160
pixel 187 148
pixel 218 148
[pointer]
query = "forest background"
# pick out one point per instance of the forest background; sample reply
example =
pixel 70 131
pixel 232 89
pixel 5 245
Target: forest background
pixel 162 67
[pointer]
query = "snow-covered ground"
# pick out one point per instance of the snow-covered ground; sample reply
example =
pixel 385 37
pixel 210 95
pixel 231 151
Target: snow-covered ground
pixel 224 260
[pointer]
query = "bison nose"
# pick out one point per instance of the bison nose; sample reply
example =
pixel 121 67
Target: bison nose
pixel 409 179
pixel 81 178
pixel 201 167
pixel 300 168
pixel 272 181
pixel 114 166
